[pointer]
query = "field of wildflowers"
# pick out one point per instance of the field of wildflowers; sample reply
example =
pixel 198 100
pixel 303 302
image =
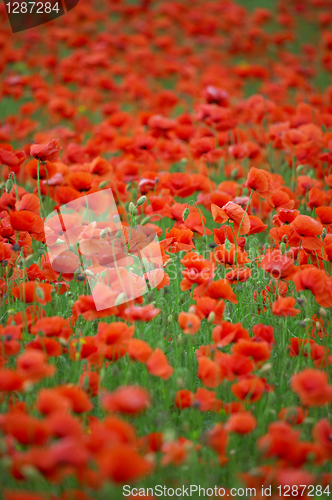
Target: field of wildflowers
pixel 201 131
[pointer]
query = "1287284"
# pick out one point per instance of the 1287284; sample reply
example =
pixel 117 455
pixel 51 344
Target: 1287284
pixel 303 490
pixel 32 7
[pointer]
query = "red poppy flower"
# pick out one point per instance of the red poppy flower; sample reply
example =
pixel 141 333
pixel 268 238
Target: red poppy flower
pixel 260 181
pixel 248 388
pixel 190 323
pixel 241 423
pixel 312 387
pixel 129 400
pixel 46 152
pixel 158 365
pixel 284 306
pixel 33 291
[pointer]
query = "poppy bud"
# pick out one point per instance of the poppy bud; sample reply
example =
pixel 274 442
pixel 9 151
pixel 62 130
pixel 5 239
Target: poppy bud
pixel 102 184
pixel 59 242
pixel 104 232
pixel 169 435
pixel 30 472
pixel 227 245
pixel 282 248
pixel 234 173
pixel 323 233
pixel 170 318
pixel 299 168
pixel 102 374
pixel 141 200
pixel 180 382
pixel 185 214
pixel 179 340
pixel 211 317
pixel 145 221
pixel 40 293
pixel 192 309
pixel 89 273
pixel 266 368
pixel 10 272
pixel 132 208
pixel 204 237
pixel 302 302
pixel 9 185
pixel 121 298
pixel 322 312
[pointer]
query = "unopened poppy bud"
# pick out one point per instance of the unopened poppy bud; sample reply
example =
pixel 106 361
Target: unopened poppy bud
pixel 323 233
pixel 121 298
pixel 234 173
pixel 192 309
pixel 318 326
pixel 89 273
pixel 180 382
pixel 169 435
pixel 299 168
pixel 9 185
pixel 266 367
pixel 302 302
pixel 102 184
pixel 86 383
pixel 30 472
pixel 179 340
pixel 185 214
pixel 322 312
pixel 132 208
pixel 40 293
pixel 141 200
pixel 307 349
pixel 204 237
pixel 170 318
pixel 102 374
pixel 103 232
pixel 227 245
pixel 283 248
pixel 59 242
pixel 211 317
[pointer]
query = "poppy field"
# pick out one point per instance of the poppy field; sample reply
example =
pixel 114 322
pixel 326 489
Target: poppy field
pixel 201 131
